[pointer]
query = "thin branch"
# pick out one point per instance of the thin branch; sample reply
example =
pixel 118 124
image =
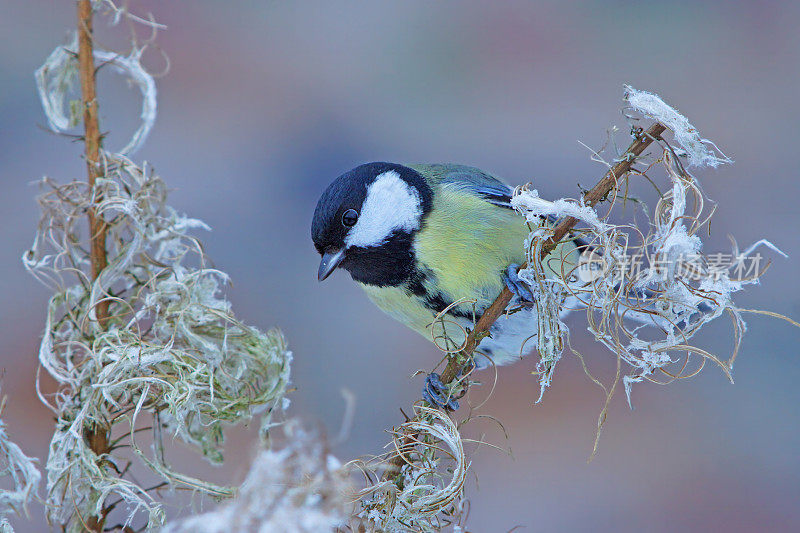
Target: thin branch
pixel 92 139
pixel 96 436
pixel 612 178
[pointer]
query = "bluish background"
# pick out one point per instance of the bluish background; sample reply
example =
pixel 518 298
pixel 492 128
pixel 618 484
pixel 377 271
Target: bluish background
pixel 267 102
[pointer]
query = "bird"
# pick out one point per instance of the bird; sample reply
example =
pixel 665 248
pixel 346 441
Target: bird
pixel 433 245
pixel 424 240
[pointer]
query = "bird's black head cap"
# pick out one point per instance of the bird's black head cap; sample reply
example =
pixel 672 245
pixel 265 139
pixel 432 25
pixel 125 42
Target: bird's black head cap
pixel 387 260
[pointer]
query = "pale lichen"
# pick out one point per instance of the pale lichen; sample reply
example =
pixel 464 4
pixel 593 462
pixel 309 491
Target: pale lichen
pixel 647 290
pixel 56 79
pixel 170 357
pixel 172 351
pixel 299 488
pixel 699 152
pixel 428 494
pixel 23 473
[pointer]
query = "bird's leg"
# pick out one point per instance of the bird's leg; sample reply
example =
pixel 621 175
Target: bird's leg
pixel 516 285
pixel 438 394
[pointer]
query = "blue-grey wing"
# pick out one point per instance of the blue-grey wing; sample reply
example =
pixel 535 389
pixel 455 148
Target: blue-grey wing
pixel 482 184
pixel 471 179
pixel 493 190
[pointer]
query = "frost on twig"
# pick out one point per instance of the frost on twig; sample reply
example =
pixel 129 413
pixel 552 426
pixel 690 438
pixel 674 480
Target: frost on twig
pixel 647 291
pixel 300 488
pixel 699 152
pixel 172 356
pixel 428 494
pixel 168 357
pixel 22 472
pixel 56 79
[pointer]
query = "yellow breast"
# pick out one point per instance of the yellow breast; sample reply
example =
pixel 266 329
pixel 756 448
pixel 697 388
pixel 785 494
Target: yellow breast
pixel 467 244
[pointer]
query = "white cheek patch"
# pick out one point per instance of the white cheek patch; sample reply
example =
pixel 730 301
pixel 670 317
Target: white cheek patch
pixel 391 204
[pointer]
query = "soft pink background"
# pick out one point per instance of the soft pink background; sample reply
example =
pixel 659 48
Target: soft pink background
pixel 267 102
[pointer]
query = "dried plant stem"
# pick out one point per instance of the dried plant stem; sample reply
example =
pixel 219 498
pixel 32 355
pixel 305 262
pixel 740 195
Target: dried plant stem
pixel 97 437
pixel 498 307
pixel 92 140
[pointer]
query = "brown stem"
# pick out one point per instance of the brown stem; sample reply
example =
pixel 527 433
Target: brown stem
pixel 92 140
pixel 498 307
pixel 95 435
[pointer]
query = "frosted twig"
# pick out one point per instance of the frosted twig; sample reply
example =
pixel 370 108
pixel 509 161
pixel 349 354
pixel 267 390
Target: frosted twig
pixel 23 472
pixel 686 136
pixel 434 471
pixel 137 329
pixel 300 488
pixel 55 79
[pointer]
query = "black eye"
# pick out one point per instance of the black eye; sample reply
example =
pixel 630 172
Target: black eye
pixel 350 217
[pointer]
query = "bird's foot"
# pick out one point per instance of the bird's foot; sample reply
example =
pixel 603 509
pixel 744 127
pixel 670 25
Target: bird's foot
pixel 438 394
pixel 516 285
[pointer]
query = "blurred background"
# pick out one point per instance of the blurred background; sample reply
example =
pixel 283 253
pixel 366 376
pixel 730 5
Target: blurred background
pixel 267 102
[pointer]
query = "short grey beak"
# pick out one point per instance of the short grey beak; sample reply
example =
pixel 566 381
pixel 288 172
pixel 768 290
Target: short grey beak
pixel 329 262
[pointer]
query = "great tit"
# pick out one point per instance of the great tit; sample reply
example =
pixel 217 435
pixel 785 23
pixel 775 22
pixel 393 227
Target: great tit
pixel 433 246
pixel 422 239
